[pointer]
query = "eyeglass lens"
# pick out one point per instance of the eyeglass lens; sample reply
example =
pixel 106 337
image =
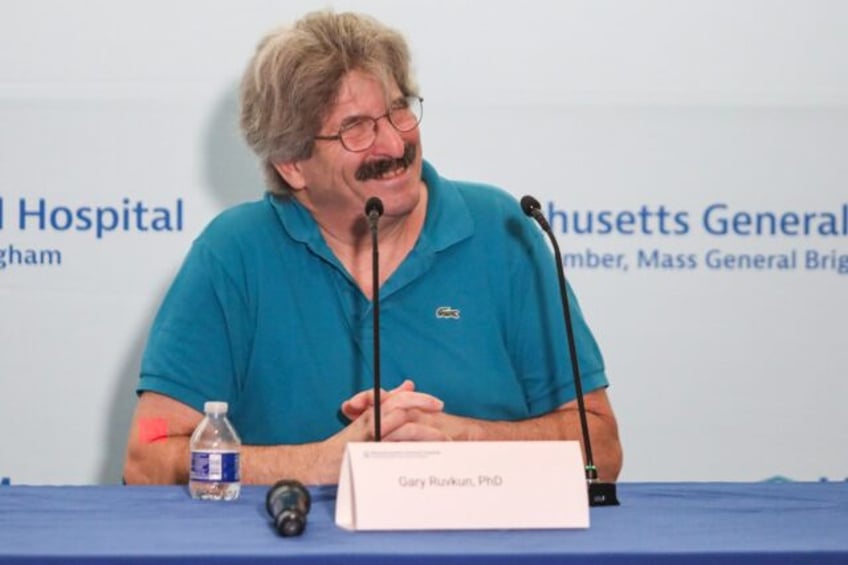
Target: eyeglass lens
pixel 361 134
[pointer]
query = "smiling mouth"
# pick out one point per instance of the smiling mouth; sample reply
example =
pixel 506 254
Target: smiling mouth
pixel 387 168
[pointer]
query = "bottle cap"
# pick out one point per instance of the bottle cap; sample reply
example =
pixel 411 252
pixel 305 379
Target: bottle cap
pixel 215 407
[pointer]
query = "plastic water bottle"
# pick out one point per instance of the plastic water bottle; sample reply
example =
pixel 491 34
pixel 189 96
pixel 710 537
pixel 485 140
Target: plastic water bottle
pixel 215 449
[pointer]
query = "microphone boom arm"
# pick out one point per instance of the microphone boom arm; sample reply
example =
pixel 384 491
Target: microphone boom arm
pixel 600 494
pixel 373 210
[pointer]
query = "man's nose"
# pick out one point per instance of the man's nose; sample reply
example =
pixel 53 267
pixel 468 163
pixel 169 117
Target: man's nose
pixel 389 140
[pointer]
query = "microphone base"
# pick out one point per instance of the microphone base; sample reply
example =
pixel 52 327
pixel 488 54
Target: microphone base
pixel 602 494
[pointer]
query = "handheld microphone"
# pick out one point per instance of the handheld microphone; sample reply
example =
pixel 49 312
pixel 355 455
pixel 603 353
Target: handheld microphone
pixel 373 210
pixel 288 503
pixel 600 494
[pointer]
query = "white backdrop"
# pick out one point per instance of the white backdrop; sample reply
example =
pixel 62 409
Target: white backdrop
pixel 595 106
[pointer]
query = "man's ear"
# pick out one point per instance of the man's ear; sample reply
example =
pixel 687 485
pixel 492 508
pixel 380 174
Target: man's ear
pixel 292 174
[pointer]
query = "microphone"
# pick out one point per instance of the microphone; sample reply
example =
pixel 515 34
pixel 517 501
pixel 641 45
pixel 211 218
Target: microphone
pixel 600 494
pixel 373 210
pixel 288 503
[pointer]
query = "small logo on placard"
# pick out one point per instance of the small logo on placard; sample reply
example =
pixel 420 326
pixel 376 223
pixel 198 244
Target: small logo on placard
pixel 446 312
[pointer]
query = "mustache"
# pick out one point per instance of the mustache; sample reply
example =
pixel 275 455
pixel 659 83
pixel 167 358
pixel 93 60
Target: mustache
pixel 376 169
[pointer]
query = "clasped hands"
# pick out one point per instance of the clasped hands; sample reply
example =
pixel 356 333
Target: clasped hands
pixel 405 415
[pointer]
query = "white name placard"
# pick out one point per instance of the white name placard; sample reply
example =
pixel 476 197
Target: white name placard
pixel 462 485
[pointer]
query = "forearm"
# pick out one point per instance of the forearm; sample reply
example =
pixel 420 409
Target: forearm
pixel 158 447
pixel 167 461
pixel 559 425
pixel 311 463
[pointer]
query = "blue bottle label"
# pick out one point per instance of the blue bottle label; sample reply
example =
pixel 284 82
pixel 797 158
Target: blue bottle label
pixel 215 466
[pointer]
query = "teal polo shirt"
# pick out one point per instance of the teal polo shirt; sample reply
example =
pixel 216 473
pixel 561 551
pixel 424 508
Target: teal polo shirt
pixel 263 316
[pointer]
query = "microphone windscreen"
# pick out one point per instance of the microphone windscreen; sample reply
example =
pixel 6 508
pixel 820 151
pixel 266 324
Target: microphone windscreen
pixel 288 503
pixel 530 205
pixel 374 205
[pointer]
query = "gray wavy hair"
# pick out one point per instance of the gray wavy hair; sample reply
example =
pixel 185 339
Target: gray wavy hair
pixel 293 78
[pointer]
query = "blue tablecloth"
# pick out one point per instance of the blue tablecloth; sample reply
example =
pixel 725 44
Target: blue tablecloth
pixel 656 523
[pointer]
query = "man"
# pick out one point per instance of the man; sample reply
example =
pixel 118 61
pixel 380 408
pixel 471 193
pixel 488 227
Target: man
pixel 271 310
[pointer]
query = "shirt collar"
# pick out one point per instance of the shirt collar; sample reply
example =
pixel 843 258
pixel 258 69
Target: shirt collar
pixel 448 220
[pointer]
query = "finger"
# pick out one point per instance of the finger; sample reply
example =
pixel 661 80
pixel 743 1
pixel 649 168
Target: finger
pixel 358 403
pixel 407 400
pixel 353 407
pixel 365 398
pixel 397 417
pixel 361 401
pixel 407 384
pixel 363 426
pixel 414 431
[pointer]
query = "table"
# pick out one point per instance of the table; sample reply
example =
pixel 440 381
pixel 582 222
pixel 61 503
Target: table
pixel 656 523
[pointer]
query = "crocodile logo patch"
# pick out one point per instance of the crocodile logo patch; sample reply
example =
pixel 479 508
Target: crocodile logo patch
pixel 447 313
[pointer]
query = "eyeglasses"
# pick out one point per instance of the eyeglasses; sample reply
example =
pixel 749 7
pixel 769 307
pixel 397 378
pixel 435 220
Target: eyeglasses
pixel 359 133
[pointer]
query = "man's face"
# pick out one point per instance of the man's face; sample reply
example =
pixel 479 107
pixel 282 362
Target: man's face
pixel 334 183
